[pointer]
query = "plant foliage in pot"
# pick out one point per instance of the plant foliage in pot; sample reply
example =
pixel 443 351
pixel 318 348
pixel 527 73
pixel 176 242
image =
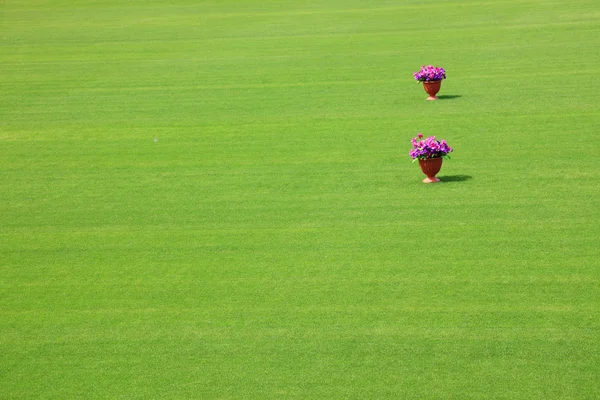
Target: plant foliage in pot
pixel 430 153
pixel 432 79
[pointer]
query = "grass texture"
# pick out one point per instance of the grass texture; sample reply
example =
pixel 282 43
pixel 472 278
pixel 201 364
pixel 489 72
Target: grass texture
pixel 215 200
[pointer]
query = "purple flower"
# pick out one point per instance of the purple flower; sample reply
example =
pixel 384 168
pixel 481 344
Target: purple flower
pixel 430 73
pixel 428 148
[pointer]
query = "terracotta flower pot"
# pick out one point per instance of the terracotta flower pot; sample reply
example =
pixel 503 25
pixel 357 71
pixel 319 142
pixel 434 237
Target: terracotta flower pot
pixel 432 88
pixel 431 167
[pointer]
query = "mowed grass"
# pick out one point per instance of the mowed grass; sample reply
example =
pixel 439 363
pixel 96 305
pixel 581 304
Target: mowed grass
pixel 215 200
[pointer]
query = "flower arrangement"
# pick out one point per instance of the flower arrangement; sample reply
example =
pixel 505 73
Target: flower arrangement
pixel 424 149
pixel 429 73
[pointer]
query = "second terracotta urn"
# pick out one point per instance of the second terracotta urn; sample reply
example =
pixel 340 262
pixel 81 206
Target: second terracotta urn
pixel 431 167
pixel 432 88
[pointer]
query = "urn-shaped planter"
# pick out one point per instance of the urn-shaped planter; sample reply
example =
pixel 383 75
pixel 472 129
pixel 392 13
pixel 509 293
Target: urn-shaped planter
pixel 430 168
pixel 432 88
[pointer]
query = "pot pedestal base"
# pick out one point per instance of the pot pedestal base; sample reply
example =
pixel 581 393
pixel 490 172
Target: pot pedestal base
pixel 431 180
pixel 432 98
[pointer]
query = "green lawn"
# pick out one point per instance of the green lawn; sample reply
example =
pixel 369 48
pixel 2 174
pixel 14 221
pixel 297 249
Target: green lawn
pixel 214 200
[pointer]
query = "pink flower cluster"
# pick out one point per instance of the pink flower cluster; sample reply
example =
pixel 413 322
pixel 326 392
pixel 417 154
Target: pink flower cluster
pixel 428 148
pixel 430 73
